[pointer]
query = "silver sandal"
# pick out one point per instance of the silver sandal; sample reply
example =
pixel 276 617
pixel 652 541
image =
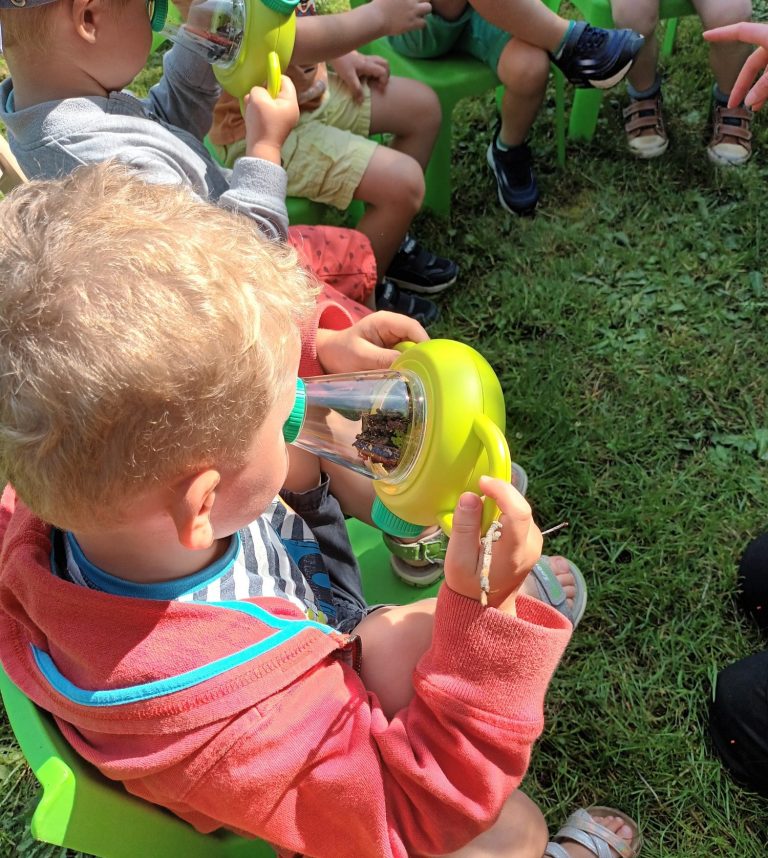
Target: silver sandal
pixel 581 828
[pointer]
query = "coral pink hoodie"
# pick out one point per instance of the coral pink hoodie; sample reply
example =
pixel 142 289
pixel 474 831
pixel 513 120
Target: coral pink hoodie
pixel 246 715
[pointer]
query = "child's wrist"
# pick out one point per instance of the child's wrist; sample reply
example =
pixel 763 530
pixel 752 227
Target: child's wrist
pixel 504 602
pixel 265 151
pixel 380 19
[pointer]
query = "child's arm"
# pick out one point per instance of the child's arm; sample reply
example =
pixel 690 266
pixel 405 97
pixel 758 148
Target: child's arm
pixel 323 37
pixel 319 769
pixel 186 93
pixel 258 183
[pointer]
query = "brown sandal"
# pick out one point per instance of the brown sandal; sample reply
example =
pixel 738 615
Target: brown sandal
pixel 731 142
pixel 646 135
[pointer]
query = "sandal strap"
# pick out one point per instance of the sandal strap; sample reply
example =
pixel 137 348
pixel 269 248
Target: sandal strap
pixel 555 850
pixel 599 848
pixel 582 828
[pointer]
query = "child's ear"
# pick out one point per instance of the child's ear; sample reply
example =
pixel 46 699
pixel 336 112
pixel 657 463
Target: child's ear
pixel 190 508
pixel 85 17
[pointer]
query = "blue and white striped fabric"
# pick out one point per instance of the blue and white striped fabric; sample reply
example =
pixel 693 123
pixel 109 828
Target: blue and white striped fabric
pixel 276 555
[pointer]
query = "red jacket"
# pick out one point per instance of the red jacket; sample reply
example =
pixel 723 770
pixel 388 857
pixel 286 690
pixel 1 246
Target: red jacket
pixel 246 715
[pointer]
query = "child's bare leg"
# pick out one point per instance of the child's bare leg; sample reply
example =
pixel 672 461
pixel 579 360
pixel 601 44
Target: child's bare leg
pixel 303 470
pixel 642 16
pixel 529 20
pixel 411 111
pixel 725 58
pixel 393 189
pixel 523 69
pixel 353 491
pixel 520 831
pixel 394 639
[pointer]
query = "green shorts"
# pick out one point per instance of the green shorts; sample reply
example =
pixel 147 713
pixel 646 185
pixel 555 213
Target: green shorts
pixel 327 153
pixel 469 33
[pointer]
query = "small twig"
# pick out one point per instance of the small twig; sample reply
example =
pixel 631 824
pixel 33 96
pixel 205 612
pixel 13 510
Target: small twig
pixel 484 561
pixel 555 528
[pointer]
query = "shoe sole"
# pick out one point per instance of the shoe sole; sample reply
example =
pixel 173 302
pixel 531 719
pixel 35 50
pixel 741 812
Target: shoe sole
pixel 725 162
pixel 648 153
pixel 526 212
pixel 423 290
pixel 613 80
pixel 409 574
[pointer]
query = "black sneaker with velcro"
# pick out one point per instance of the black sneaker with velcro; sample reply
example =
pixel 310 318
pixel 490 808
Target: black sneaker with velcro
pixel 595 57
pixel 418 270
pixel 515 179
pixel 389 296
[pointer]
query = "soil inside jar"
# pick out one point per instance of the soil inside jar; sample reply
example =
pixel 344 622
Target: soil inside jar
pixel 381 441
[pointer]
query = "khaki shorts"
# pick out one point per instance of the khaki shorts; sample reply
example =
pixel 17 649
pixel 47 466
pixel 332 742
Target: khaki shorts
pixel 327 153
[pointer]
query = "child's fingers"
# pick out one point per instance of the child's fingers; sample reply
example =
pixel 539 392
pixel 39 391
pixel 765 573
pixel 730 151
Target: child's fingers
pixel 754 66
pixel 520 538
pixel 747 31
pixel 464 544
pixel 287 89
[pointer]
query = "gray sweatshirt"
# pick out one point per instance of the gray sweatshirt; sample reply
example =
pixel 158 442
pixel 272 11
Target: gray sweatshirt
pixel 161 136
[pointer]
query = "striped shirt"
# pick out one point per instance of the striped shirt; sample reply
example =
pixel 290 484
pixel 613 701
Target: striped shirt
pixel 276 555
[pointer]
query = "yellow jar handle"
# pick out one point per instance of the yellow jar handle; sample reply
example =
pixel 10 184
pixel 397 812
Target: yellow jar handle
pixel 499 466
pixel 274 74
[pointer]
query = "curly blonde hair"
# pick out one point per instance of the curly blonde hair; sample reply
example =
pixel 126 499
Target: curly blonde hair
pixel 143 334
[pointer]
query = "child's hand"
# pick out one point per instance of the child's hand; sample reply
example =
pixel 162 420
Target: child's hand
pixel 354 67
pixel 514 553
pixel 400 16
pixel 368 343
pixel 753 34
pixel 268 121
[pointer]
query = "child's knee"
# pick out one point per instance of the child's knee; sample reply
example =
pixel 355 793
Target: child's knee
pixel 523 68
pixel 425 106
pixel 642 17
pixel 721 14
pixel 407 185
pixel 523 823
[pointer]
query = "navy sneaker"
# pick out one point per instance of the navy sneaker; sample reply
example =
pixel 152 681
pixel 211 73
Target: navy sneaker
pixel 515 179
pixel 418 270
pixel 595 57
pixel 391 297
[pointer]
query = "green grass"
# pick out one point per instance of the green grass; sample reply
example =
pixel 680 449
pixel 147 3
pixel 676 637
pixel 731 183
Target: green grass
pixel 628 325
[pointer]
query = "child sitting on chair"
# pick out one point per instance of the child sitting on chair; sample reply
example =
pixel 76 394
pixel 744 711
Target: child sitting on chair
pixel 587 56
pixel 731 140
pixel 64 106
pixel 329 156
pixel 162 602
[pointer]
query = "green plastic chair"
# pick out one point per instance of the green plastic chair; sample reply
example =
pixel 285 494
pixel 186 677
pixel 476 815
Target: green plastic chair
pixel 82 810
pixel 453 78
pixel 586 102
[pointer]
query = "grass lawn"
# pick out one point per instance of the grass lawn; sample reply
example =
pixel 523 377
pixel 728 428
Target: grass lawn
pixel 628 325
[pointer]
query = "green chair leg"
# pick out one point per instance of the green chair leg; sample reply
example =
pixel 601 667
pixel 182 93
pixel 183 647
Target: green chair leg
pixel 584 113
pixel 669 37
pixel 560 116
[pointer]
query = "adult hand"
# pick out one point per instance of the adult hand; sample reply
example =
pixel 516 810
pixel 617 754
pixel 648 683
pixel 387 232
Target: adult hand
pixel 757 64
pixel 368 343
pixel 355 67
pixel 514 553
pixel 400 16
pixel 268 121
